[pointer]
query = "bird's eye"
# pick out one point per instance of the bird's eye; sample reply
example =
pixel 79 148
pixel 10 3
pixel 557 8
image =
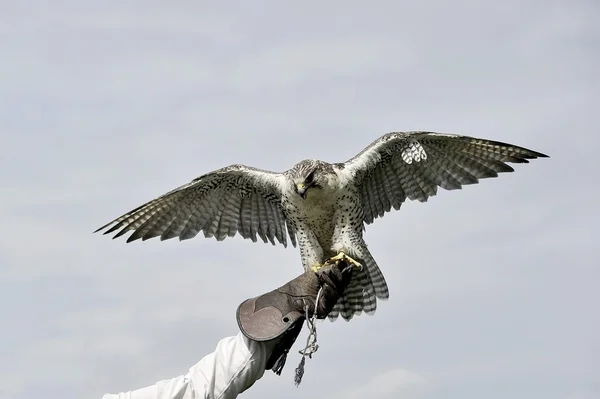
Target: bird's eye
pixel 310 177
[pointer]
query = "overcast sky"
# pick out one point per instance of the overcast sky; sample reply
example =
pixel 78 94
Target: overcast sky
pixel 105 105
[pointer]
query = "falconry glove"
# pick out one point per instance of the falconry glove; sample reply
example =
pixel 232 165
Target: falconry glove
pixel 278 315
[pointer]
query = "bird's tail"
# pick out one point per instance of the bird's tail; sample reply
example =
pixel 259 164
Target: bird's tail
pixel 367 285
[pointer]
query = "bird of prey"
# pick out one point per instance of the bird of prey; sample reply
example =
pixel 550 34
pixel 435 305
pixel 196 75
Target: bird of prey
pixel 324 207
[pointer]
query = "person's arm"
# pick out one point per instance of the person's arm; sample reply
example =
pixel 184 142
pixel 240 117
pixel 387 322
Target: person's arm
pixel 233 367
pixel 269 325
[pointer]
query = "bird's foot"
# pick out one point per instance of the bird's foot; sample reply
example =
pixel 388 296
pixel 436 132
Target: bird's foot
pixel 340 257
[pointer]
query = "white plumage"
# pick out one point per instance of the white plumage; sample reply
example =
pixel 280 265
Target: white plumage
pixel 323 206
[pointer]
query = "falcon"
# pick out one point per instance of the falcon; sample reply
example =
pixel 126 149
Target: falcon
pixel 323 207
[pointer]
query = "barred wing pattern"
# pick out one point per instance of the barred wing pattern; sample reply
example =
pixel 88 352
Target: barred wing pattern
pixel 234 199
pixel 413 164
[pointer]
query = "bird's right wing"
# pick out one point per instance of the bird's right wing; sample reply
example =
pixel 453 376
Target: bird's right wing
pixel 235 199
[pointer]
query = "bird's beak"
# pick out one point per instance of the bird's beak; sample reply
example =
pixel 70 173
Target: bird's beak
pixel 301 189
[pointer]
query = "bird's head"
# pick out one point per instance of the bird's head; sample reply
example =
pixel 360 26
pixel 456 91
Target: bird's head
pixel 303 185
pixel 307 175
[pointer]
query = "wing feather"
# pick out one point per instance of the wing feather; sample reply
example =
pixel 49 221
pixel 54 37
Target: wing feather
pixel 175 229
pixel 279 223
pixel 263 221
pixel 413 165
pixel 387 190
pixel 368 198
pixel 272 221
pixel 397 195
pixel 256 219
pixel 246 219
pixel 383 201
pixel 231 200
pixel 210 228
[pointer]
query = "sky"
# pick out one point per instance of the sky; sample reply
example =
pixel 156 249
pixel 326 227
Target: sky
pixel 105 105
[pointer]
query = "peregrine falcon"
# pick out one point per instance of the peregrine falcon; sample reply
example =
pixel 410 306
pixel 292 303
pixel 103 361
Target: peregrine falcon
pixel 324 207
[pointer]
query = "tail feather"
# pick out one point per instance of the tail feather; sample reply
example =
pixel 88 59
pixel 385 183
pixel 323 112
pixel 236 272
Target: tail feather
pixel 377 279
pixel 366 286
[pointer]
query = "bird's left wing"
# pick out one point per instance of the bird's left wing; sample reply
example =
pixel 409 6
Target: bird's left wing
pixel 235 199
pixel 413 164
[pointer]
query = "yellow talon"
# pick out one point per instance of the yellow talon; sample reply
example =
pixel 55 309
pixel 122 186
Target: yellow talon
pixel 341 256
pixel 337 259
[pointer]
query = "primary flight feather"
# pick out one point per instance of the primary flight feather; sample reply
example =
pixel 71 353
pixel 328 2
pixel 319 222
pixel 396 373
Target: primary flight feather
pixel 324 207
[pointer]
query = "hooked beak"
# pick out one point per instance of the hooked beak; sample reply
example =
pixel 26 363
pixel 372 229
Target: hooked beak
pixel 301 189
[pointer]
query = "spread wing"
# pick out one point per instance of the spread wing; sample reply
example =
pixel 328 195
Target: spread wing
pixel 413 164
pixel 235 199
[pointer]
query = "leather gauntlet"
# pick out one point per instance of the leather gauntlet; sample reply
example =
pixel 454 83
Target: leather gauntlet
pixel 279 314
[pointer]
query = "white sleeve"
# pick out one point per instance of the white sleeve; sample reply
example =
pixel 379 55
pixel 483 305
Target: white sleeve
pixel 232 368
